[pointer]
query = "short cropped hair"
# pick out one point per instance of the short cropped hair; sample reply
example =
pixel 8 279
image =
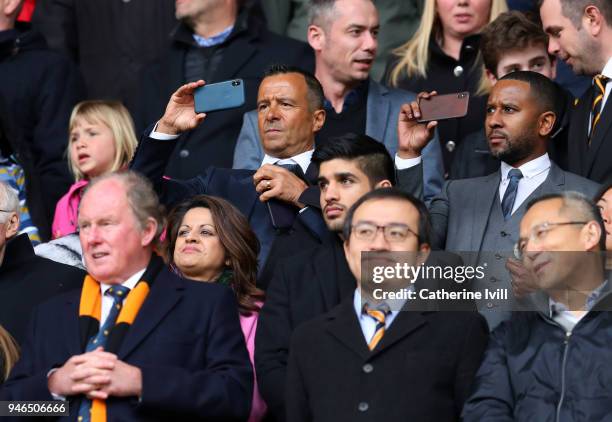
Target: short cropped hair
pixel 321 12
pixel 424 234
pixel 577 206
pixel 142 199
pixel 513 30
pixel 9 202
pixel 371 156
pixel 574 9
pixel 316 97
pixel 544 91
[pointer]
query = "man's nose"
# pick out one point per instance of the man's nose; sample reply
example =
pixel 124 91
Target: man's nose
pixel 379 243
pixel 330 193
pixel 553 46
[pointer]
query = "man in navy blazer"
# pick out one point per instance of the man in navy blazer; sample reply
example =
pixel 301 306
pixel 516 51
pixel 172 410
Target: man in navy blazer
pixel 181 357
pixel 343 35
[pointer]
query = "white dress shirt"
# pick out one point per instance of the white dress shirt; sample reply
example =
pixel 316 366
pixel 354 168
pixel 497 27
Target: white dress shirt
pixel 108 300
pixel 302 160
pixel 534 174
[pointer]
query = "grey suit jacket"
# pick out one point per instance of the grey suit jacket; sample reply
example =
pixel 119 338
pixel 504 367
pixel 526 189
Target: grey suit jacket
pixel 460 214
pixel 381 124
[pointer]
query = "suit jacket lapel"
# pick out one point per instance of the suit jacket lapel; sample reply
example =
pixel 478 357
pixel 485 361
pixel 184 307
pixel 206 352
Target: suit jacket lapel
pixel 377 112
pixel 243 192
pixel 329 276
pixel 405 323
pixel 599 137
pixel 71 328
pixel 579 128
pixel 483 200
pixel 164 295
pixel 238 52
pixel 342 323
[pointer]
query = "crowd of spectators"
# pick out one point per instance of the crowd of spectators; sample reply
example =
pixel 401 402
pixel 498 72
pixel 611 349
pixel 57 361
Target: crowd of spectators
pixel 159 263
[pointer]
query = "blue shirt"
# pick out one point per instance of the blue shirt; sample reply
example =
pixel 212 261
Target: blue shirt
pixel 215 39
pixel 367 323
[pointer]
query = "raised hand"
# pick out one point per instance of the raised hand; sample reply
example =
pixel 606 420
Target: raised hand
pixel 413 136
pixel 180 115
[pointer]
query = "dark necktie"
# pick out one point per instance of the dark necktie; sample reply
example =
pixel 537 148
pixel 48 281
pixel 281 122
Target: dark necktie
pixel 509 197
pixel 379 314
pixel 599 84
pixel 282 213
pixel 118 293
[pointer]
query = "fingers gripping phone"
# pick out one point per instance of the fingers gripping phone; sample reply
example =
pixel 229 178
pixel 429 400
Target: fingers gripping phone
pixel 219 96
pixel 442 107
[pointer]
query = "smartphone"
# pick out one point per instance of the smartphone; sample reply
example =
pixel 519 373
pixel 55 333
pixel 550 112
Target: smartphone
pixel 442 107
pixel 219 96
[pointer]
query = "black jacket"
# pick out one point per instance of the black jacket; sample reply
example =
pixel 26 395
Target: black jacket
pixel 247 53
pixel 40 88
pixel 443 76
pixel 27 280
pixel 422 369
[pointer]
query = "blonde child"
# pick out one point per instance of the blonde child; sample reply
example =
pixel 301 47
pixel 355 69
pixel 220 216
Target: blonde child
pixel 101 140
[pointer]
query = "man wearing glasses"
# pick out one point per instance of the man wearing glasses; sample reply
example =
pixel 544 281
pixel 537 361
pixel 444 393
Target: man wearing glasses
pixel 553 363
pixel 371 361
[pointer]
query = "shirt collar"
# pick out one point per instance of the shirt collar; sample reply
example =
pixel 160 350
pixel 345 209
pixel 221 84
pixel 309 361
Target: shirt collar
pixel 130 283
pixel 395 305
pixel 302 160
pixel 529 169
pixel 591 300
pixel 215 39
pixel 354 96
pixel 607 70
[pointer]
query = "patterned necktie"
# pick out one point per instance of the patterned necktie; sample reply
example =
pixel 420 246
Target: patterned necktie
pixel 379 314
pixel 508 201
pixel 118 293
pixel 599 84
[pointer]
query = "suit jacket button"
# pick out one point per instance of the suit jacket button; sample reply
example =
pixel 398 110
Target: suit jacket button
pixel 458 71
pixel 367 368
pixel 184 153
pixel 498 256
pixel 493 280
pixel 489 305
pixel 503 233
pixel 450 146
pixel 363 406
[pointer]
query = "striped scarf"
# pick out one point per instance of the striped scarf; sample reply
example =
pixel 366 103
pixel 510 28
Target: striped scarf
pixel 89 318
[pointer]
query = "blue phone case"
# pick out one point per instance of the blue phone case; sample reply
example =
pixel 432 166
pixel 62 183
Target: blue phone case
pixel 219 96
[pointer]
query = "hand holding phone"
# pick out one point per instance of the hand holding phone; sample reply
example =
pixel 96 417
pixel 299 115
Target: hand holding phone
pixel 219 96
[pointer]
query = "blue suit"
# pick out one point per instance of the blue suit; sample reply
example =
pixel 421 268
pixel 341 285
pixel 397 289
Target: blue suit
pixel 383 108
pixel 186 340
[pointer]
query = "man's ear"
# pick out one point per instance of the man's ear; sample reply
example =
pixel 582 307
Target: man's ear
pixel 383 184
pixel 593 20
pixel 316 37
pixel 12 225
pixel 491 77
pixel 149 231
pixel 424 251
pixel 318 120
pixel 546 123
pixel 590 235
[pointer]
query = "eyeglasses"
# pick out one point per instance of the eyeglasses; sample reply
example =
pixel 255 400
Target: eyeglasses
pixel 538 233
pixel 393 233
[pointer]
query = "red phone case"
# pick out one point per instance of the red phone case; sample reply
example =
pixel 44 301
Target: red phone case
pixel 442 107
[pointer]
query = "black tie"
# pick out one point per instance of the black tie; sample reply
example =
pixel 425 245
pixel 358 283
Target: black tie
pixel 510 196
pixel 282 213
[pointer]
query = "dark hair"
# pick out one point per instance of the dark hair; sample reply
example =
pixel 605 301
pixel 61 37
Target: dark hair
pixel 544 91
pixel 576 203
pixel 315 90
pixel 510 31
pixel 424 235
pixel 371 156
pixel 237 238
pixel 602 191
pixel 574 9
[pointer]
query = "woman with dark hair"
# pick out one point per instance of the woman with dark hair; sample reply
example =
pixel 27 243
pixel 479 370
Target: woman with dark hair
pixel 9 353
pixel 209 240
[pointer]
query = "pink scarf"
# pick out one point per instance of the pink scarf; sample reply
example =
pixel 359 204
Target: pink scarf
pixel 66 211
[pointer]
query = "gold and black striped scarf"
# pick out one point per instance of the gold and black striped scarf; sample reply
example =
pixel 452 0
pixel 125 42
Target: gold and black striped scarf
pixel 90 308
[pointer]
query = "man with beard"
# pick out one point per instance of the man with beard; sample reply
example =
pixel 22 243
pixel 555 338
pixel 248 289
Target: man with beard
pixel 482 214
pixel 580 33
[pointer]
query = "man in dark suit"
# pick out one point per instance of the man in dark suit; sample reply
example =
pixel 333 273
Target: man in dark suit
pixel 481 215
pixel 26 280
pixel 312 282
pixel 215 41
pixel 152 345
pixel 580 35
pixel 343 34
pixel 356 364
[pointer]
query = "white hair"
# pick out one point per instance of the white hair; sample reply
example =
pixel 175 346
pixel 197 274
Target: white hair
pixel 9 202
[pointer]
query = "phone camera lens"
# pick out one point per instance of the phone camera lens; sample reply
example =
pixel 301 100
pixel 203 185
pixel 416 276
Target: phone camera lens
pixel 235 83
pixel 462 95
